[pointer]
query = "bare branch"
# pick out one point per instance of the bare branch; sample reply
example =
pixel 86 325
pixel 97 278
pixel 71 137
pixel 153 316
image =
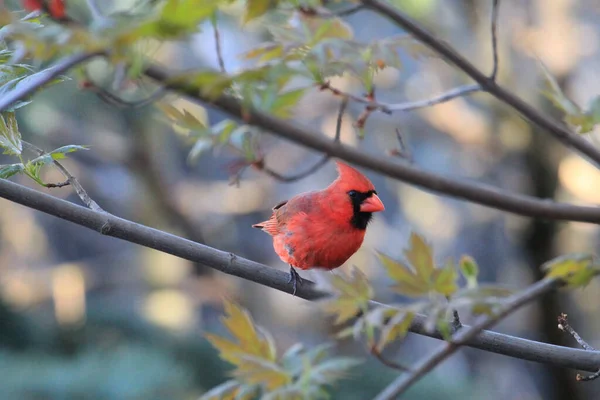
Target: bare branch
pixel 232 264
pixel 495 6
pixel 468 190
pixel 218 49
pixel 44 77
pixel 563 325
pixel 444 97
pixel 316 166
pixel 324 13
pixel 388 363
pixel 85 198
pixel 402 383
pixel 388 108
pixel 95 10
pixel 57 185
pixel 558 130
pixel 111 98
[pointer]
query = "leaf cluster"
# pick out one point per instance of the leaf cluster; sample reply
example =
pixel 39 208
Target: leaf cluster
pixel 259 371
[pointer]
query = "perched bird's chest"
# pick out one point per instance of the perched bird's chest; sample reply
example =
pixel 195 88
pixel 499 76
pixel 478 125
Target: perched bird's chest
pixel 318 243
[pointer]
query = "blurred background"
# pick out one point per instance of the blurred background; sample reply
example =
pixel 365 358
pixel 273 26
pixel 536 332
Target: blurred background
pixel 84 316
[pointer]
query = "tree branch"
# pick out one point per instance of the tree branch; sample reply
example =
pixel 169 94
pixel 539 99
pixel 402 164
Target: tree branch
pixel 402 383
pixel 85 198
pixel 43 77
pixel 229 263
pixel 557 129
pixel 495 6
pixel 563 325
pixel 316 166
pixel 471 191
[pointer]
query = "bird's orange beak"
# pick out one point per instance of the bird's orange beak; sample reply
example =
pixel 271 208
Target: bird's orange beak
pixel 372 204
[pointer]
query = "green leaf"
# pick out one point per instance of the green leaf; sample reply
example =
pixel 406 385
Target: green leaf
pixel 396 328
pixel 256 8
pixel 483 299
pixel 421 277
pixel 577 270
pixel 285 102
pixel 420 257
pixel 470 270
pixel 353 295
pixel 60 153
pixel 10 137
pixel 6 171
pixel 444 280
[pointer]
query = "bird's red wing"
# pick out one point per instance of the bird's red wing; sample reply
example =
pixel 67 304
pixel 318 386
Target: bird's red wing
pixel 284 212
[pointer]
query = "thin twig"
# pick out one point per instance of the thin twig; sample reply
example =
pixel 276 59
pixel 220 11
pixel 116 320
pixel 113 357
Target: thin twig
pixel 388 363
pixel 57 185
pixel 403 382
pixel 495 6
pixel 111 98
pixel 44 77
pixel 558 130
pixel 563 325
pixel 218 48
pixel 388 108
pixel 456 324
pixel 464 189
pixel 316 166
pixel 325 13
pixel 235 265
pixel 444 97
pixel 95 10
pixel 85 198
pixel 402 151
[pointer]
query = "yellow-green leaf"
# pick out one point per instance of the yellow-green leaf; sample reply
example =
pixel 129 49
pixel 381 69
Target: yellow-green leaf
pixel 444 280
pixel 577 270
pixel 353 295
pixel 420 257
pixel 470 270
pixel 256 8
pixel 396 328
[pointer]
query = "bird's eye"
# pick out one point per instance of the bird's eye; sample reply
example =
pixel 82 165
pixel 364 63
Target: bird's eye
pixel 352 193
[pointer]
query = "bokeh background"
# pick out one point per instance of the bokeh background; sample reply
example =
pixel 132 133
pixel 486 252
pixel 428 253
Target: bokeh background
pixel 84 316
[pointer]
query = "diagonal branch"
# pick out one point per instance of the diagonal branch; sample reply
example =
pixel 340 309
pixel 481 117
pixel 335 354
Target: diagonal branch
pixel 402 383
pixel 316 166
pixel 85 198
pixel 555 128
pixel 563 325
pixel 44 77
pixel 232 264
pixel 468 190
pixel 495 6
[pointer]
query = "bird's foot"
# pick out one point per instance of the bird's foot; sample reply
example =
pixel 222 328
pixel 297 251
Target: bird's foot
pixel 295 279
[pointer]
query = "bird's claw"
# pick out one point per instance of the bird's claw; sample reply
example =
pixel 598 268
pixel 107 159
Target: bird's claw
pixel 295 279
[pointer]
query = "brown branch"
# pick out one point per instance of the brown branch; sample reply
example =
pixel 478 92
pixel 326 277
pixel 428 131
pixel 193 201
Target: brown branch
pixel 71 180
pixel 555 128
pixel 218 48
pixel 495 6
pixel 403 382
pixel 389 108
pixel 563 325
pixel 316 166
pixel 463 189
pixel 235 265
pixel 388 363
pixel 57 185
pixel 111 98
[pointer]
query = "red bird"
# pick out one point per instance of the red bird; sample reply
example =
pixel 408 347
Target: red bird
pixel 322 229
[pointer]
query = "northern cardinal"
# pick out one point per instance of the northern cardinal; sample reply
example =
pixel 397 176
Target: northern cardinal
pixel 322 229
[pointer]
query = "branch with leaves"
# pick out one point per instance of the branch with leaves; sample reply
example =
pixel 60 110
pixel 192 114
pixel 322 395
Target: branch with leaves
pixel 471 191
pixel 488 84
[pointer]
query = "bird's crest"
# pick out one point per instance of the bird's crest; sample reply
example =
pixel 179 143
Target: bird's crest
pixel 351 179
